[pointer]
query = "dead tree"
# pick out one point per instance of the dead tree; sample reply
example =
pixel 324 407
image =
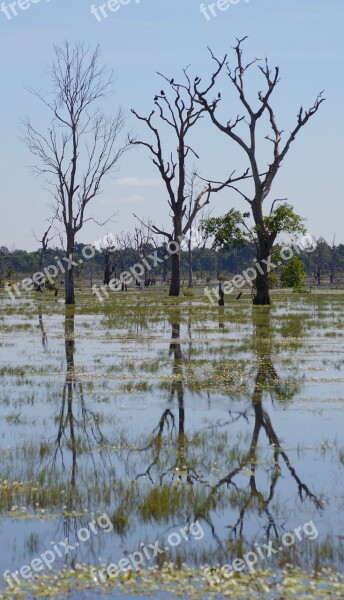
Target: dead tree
pixel 180 112
pixel 108 250
pixel 143 243
pixel 42 252
pixel 80 147
pixel 251 118
pixel 196 237
pixel 124 244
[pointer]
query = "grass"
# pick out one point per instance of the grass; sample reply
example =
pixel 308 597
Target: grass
pixel 184 582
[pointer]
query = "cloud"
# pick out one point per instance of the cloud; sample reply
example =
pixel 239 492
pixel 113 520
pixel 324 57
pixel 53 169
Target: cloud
pixel 139 181
pixel 133 198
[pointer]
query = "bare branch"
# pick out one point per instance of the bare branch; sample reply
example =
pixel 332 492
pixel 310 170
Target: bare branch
pixel 80 147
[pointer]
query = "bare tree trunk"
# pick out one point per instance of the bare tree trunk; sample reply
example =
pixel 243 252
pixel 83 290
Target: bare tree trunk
pixel 262 295
pixel 107 275
pixel 318 275
pixel 69 274
pixel 175 258
pixel 190 262
pixel 107 269
pixel 218 265
pixel 221 294
pixel 175 277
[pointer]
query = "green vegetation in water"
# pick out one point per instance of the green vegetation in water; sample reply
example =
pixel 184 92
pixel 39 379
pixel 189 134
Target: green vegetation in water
pixel 184 582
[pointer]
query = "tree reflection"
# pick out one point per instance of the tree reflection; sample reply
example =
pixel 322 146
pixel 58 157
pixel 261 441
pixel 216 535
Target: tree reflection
pixel 78 436
pixel 180 468
pixel 266 379
pixel 185 464
pixel 42 328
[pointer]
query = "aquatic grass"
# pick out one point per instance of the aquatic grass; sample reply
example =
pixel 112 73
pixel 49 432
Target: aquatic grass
pixel 184 582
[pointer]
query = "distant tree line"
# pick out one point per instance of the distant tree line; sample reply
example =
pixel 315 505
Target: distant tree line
pixel 324 265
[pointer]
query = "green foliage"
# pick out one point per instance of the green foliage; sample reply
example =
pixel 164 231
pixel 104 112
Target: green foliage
pixel 272 279
pixel 231 230
pixel 283 218
pixel 293 274
pixel 226 230
pixel 51 286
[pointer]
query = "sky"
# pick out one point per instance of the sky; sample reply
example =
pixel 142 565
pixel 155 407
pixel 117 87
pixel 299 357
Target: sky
pixel 143 37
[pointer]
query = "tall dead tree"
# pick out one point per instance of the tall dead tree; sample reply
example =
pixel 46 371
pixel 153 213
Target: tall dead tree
pixel 80 146
pixel 261 177
pixel 180 112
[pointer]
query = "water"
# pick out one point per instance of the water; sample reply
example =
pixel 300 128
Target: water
pixel 158 413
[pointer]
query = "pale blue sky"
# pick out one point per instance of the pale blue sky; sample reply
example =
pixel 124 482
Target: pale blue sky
pixel 303 37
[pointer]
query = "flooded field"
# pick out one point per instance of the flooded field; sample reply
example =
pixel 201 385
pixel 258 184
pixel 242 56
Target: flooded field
pixel 174 436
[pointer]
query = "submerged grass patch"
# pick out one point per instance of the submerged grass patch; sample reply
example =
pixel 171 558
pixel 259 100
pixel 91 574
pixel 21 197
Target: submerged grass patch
pixel 184 582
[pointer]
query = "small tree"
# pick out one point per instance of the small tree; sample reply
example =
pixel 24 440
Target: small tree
pixel 321 260
pixel 143 243
pixel 293 274
pixel 108 251
pixel 79 149
pixel 196 238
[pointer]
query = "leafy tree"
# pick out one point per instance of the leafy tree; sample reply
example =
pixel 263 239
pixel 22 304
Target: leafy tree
pixel 293 274
pixel 232 229
pixel 226 230
pixel 321 260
